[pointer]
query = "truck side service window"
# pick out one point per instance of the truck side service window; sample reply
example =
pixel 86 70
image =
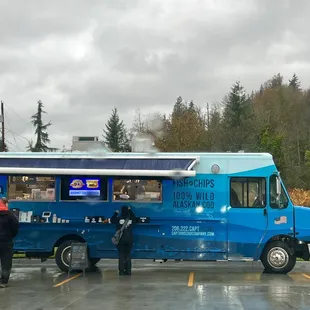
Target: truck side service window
pixel 137 190
pixel 248 192
pixel 83 188
pixel 283 202
pixel 29 187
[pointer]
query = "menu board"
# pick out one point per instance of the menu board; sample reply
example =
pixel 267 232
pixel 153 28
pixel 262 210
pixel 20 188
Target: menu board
pixel 79 257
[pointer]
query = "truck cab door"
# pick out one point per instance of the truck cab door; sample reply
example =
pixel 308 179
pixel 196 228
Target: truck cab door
pixel 280 209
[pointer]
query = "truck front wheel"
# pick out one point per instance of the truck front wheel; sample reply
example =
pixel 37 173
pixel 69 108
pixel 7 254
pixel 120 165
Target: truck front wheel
pixel 278 257
pixel 62 256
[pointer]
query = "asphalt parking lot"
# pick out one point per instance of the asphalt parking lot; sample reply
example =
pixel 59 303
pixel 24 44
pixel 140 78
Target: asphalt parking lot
pixel 184 285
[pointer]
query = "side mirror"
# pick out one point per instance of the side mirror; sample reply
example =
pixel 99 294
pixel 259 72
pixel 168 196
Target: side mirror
pixel 278 186
pixel 278 199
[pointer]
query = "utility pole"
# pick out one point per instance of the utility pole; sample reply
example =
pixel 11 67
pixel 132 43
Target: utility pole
pixel 208 115
pixel 2 122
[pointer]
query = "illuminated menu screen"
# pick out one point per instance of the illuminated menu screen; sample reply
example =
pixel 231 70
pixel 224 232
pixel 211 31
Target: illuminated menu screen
pixel 84 187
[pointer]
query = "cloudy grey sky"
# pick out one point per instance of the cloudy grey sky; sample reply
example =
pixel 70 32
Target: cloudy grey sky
pixel 83 57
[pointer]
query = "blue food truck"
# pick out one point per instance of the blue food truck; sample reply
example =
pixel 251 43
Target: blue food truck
pixel 190 206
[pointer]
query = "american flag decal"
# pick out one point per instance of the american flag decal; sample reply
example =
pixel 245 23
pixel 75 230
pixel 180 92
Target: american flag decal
pixel 280 220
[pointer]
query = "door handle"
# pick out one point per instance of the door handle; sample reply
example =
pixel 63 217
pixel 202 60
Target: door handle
pixel 265 211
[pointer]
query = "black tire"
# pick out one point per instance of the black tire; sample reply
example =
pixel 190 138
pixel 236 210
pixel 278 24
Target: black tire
pixel 62 255
pixel 278 257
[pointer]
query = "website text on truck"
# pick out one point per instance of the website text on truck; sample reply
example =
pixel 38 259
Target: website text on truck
pixel 190 206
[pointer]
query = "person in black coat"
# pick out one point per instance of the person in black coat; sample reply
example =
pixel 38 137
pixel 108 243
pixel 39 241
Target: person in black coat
pixel 126 242
pixel 9 227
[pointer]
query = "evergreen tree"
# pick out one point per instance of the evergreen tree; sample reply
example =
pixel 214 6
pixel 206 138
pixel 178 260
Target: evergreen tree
pixel 179 108
pixel 275 119
pixel 275 82
pixel 42 137
pixel 215 130
pixel 125 144
pixel 294 82
pixel 235 105
pixel 115 135
pixel 191 107
pixel 236 114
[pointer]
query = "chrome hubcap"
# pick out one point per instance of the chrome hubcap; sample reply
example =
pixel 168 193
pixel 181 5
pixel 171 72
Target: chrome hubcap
pixel 278 258
pixel 65 256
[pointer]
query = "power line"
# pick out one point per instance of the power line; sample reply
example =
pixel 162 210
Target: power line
pixel 8 122
pixel 12 133
pixel 16 113
pixel 16 147
pixel 14 140
pixel 16 134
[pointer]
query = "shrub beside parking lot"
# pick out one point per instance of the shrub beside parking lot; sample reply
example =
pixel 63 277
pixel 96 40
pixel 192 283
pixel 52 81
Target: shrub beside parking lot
pixel 300 197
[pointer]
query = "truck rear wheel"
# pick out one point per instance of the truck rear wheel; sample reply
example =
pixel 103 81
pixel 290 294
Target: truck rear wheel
pixel 278 257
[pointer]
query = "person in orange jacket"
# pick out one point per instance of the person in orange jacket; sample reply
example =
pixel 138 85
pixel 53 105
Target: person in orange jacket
pixel 9 227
